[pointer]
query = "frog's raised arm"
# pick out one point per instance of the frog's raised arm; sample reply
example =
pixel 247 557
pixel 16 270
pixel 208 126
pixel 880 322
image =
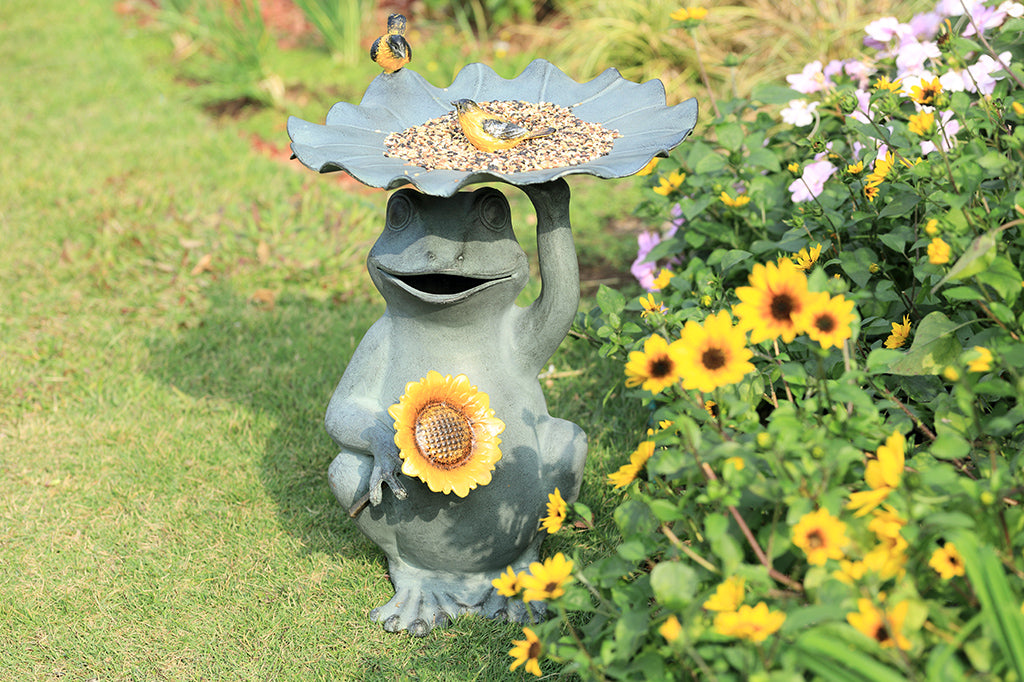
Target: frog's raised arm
pixel 548 319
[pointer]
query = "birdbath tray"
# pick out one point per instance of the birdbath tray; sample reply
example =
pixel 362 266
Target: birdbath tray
pixel 352 138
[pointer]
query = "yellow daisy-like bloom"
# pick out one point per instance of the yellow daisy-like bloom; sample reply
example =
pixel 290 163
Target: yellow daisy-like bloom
pixel 737 462
pixel 885 627
pixel 649 168
pixel 1018 109
pixel 662 280
pixel 827 319
pixel 667 185
pixel 713 354
pixel 547 580
pixel 526 651
pixel 739 202
pixel 855 168
pixel 755 623
pixel 931 228
pixel 922 123
pixel 446 433
pixel 947 562
pixel 821 536
pixel 982 362
pixel 671 629
pixel 692 13
pixel 650 306
pixel 883 83
pixel 926 92
pixel 769 306
pixel 508 583
pixel 728 595
pixel 627 473
pixel 882 474
pixel 871 192
pixel 806 258
pixel 793 168
pixel 899 334
pixel 938 251
pixel 657 366
pixel 850 571
pixel 557 509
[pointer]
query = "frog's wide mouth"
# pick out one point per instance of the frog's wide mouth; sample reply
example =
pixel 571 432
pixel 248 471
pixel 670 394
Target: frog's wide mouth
pixel 442 287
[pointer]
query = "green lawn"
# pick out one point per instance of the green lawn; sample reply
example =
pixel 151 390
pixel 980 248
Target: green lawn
pixel 176 310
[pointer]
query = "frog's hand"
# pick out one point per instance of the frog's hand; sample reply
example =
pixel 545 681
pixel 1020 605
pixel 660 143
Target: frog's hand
pixel 549 318
pixel 386 465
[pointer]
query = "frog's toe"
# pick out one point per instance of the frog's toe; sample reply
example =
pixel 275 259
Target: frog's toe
pixel 416 611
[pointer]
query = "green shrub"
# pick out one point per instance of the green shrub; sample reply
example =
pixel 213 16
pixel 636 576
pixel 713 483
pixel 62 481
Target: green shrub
pixel 831 482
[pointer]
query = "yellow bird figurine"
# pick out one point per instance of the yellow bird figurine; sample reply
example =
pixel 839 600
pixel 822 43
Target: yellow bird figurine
pixel 391 50
pixel 489 132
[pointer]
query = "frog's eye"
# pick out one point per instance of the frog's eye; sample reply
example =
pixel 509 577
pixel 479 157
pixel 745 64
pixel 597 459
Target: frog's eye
pixel 400 211
pixel 493 210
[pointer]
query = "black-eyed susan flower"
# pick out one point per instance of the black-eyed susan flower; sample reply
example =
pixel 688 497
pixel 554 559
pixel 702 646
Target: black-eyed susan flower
pixel 981 361
pixel 527 651
pixel 628 472
pixel 821 536
pixel 947 562
pixel 737 202
pixel 883 83
pixel 657 366
pixel 922 123
pixel 547 580
pixel 769 306
pixel 753 623
pixel 651 306
pixel 728 595
pixel 662 280
pixel 508 584
pixel 900 332
pixel 806 258
pixel 882 475
pixel 855 168
pixel 690 14
pixel 826 319
pixel 669 183
pixel 446 433
pixel 713 354
pixel 885 627
pixel 927 92
pixel 557 509
pixel 938 251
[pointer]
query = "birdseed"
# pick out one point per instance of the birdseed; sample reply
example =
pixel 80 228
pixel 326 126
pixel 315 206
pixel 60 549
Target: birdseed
pixel 440 143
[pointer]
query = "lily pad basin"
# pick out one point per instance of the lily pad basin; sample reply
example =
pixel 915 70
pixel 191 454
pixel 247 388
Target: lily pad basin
pixel 352 138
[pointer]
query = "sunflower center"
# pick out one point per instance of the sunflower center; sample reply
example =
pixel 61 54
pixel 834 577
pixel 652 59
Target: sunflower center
pixel 534 650
pixel 712 359
pixel 881 634
pixel 815 539
pixel 782 307
pixel 825 323
pixel 660 367
pixel 443 435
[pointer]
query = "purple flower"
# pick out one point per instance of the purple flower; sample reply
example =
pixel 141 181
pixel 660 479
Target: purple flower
pixel 646 270
pixel 811 79
pixel 812 183
pixel 948 128
pixel 978 77
pixel 925 25
pixel 881 32
pixel 914 54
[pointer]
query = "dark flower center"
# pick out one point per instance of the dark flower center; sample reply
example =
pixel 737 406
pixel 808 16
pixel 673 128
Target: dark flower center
pixel 881 634
pixel 825 323
pixel 534 650
pixel 782 307
pixel 712 359
pixel 443 435
pixel 660 367
pixel 815 539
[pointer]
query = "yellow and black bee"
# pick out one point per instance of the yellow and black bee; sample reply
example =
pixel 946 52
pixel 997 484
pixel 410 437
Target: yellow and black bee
pixel 392 51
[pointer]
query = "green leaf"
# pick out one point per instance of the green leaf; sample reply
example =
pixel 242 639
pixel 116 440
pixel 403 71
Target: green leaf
pixel 978 256
pixel 674 584
pixel 611 301
pixel 826 651
pixel 901 205
pixel 729 135
pixel 773 94
pixel 1002 276
pixel 935 346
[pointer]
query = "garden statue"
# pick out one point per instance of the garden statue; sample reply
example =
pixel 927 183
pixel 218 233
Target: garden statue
pixel 447 451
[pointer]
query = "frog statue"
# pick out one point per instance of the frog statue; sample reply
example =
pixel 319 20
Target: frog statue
pixel 450 270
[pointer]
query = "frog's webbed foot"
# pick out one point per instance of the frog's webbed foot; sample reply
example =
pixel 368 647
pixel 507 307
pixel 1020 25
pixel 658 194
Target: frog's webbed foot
pixel 513 609
pixel 417 610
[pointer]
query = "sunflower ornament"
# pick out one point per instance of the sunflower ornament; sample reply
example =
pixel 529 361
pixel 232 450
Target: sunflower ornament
pixel 446 433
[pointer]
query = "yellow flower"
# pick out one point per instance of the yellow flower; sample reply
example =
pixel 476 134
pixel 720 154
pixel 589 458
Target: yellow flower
pixel 871 192
pixel 805 259
pixel 899 334
pixel 938 251
pixel 446 433
pixel 882 475
pixel 907 163
pixel 657 366
pixel 874 268
pixel 885 627
pixel 769 306
pixel 728 595
pixel 692 13
pixel 1018 109
pixel 850 571
pixel 557 509
pixel 883 83
pixel 670 629
pixel 926 92
pixel 651 306
pixel 855 168
pixel 508 583
pixel 793 167
pixel 755 623
pixel 931 228
pixel 880 170
pixel 982 362
pixel 526 651
pixel 649 168
pixel 951 373
pixel 821 536
pixel 662 280
pixel 547 580
pixel 667 185
pixel 713 354
pixel 922 123
pixel 628 472
pixel 738 202
pixel 826 319
pixel 947 562
pixel 738 462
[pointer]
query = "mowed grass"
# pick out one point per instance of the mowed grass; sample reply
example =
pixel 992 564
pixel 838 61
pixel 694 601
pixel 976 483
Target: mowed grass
pixel 176 310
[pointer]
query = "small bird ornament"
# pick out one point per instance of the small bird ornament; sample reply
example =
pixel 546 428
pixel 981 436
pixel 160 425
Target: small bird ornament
pixel 391 50
pixel 489 132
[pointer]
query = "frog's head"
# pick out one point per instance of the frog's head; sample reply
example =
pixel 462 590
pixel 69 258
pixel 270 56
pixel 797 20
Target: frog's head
pixel 444 251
